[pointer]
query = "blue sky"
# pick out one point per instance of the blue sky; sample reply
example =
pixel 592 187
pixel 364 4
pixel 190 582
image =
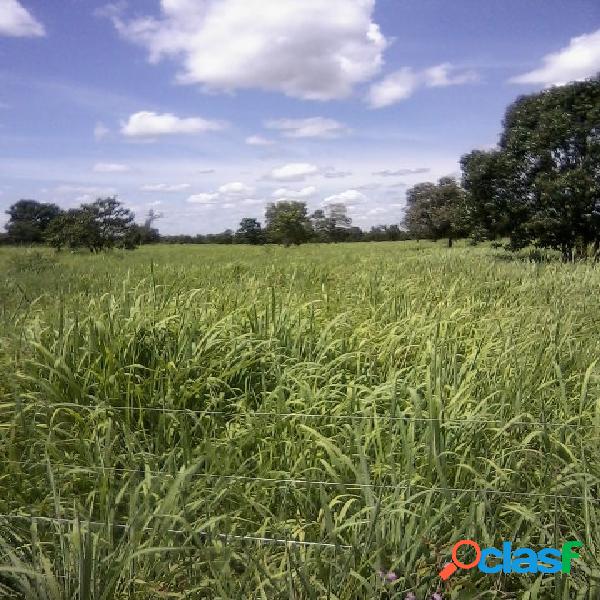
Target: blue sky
pixel 207 109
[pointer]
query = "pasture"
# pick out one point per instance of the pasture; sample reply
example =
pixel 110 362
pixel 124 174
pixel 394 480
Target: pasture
pixel 262 422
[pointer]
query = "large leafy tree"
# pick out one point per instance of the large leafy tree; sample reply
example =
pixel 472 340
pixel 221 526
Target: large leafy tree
pixel 332 224
pixel 29 221
pixel 250 232
pixel 105 223
pixel 287 222
pixel 436 211
pixel 545 176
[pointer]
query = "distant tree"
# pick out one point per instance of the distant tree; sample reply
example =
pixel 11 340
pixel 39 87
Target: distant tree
pixel 545 176
pixel 320 225
pixel 436 211
pixel 484 175
pixel 250 232
pixel 105 223
pixel 225 237
pixel 338 222
pixel 148 233
pixel 287 223
pixel 29 221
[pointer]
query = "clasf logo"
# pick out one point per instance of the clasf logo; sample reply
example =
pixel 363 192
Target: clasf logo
pixel 519 560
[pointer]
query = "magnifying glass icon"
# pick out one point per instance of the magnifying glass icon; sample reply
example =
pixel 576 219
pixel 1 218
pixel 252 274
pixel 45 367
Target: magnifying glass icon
pixel 456 564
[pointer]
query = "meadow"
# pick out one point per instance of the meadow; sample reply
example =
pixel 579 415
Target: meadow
pixel 267 422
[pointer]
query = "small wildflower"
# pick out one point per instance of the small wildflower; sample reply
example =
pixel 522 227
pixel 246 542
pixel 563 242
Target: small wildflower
pixel 410 596
pixel 389 577
pixel 437 596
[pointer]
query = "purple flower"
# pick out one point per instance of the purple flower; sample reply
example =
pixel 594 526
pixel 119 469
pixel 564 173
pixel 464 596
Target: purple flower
pixel 410 596
pixel 389 577
pixel 437 596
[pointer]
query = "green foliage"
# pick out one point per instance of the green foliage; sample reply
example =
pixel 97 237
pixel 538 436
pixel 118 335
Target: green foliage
pixel 436 211
pixel 105 223
pixel 542 186
pixel 250 232
pixel 415 382
pixel 287 223
pixel 29 221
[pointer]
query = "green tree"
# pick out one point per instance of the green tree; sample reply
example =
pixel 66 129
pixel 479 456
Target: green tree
pixel 544 179
pixel 287 222
pixel 29 221
pixel 436 211
pixel 105 223
pixel 250 232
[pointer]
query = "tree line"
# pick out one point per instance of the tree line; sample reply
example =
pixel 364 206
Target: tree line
pixel 539 186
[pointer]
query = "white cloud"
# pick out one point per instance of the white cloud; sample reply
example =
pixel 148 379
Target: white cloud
pixel 334 174
pixel 150 124
pixel 348 197
pixel 257 140
pixel 294 172
pixel 101 131
pixel 400 172
pixel 203 198
pixel 306 192
pixel 445 74
pixel 577 61
pixel 311 49
pixel 166 187
pixel 314 127
pixel 110 168
pixel 16 21
pixel 402 84
pixel 252 202
pixel 235 187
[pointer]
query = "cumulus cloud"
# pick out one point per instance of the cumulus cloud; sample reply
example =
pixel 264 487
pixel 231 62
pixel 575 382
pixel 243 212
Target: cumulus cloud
pixel 400 172
pixel 314 127
pixel 348 197
pixel 17 21
pixel 403 83
pixel 294 172
pixel 111 168
pixel 577 61
pixel 236 187
pixel 306 192
pixel 203 198
pixel 151 124
pixel 166 187
pixel 307 49
pixel 258 140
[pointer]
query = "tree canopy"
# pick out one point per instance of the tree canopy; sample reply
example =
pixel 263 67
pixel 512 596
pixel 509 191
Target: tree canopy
pixel 542 185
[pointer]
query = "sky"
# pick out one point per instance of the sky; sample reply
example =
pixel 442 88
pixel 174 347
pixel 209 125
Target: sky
pixel 206 110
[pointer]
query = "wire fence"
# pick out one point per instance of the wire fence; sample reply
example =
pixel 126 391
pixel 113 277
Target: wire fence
pixel 341 416
pixel 289 481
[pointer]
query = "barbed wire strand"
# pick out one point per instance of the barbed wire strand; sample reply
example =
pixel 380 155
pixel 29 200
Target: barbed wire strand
pixel 292 415
pixel 310 482
pixel 223 536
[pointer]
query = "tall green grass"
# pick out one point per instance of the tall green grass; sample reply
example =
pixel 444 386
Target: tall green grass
pixel 369 403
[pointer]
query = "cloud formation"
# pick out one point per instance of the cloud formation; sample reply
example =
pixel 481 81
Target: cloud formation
pixel 577 61
pixel 258 140
pixel 294 172
pixel 401 172
pixel 111 168
pixel 349 197
pixel 151 124
pixel 402 84
pixel 17 21
pixel 306 192
pixel 236 187
pixel 307 49
pixel 314 127
pixel 203 198
pixel 166 187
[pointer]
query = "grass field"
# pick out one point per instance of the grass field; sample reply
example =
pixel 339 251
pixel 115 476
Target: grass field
pixel 372 403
